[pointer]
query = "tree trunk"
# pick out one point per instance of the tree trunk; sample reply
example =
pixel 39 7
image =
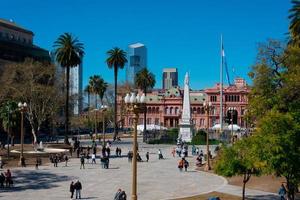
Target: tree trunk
pixel 290 189
pixel 34 135
pixel 115 101
pixel 67 106
pixel 145 119
pixel 245 180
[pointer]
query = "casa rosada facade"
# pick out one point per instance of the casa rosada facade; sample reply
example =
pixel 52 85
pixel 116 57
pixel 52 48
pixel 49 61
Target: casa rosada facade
pixel 164 107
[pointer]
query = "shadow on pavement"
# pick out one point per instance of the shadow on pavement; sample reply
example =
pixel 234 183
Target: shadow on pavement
pixel 263 197
pixel 35 180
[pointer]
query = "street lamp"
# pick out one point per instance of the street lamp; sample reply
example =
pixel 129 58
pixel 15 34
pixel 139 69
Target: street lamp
pixel 207 107
pixel 136 105
pixel 103 108
pixel 22 108
pixel 95 110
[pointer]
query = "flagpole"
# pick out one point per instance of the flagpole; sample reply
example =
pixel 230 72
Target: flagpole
pixel 221 87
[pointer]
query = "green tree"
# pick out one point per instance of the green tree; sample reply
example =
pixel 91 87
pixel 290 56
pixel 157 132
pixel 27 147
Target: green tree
pixel 240 159
pixel 94 86
pixel 116 60
pixel 274 106
pixel 145 81
pixel 294 26
pixel 9 117
pixel 69 53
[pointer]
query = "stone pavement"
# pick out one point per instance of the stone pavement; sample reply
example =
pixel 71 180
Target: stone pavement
pixel 158 179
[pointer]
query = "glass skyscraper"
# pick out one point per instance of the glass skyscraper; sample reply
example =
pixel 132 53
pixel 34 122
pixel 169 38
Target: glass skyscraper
pixel 137 60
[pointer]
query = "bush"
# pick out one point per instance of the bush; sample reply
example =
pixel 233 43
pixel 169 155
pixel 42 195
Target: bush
pixel 200 139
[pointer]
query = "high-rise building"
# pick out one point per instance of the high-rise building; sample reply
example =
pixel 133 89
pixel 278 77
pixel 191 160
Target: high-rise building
pixel 76 87
pixel 170 78
pixel 137 60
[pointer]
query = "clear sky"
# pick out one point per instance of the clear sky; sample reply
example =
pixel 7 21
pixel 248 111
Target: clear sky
pixel 178 33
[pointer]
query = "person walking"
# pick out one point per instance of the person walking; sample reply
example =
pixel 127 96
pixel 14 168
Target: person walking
pixel 117 151
pixel 23 164
pixel 93 158
pixel 2 180
pixel 147 156
pixel 180 164
pixel 173 152
pixel 55 160
pixel 72 189
pixel 282 192
pixel 160 156
pixel 66 160
pixel 120 152
pixel 120 195
pixel 8 178
pixel 82 162
pixel 78 188
pixel 186 164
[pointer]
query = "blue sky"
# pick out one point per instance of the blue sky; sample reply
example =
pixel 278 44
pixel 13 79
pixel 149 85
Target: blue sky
pixel 178 33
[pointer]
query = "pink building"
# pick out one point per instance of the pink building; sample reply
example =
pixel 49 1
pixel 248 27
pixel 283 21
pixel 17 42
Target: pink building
pixel 164 107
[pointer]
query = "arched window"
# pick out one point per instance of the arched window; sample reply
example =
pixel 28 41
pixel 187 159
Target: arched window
pixel 149 110
pixel 166 110
pixel 194 110
pixel 176 110
pixel 157 109
pixel 171 110
pixel 198 110
pixel 153 110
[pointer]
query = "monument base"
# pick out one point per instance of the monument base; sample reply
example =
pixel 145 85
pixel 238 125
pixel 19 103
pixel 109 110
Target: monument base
pixel 185 132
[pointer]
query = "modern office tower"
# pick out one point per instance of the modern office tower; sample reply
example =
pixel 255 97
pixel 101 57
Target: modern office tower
pixel 137 60
pixel 170 78
pixel 76 88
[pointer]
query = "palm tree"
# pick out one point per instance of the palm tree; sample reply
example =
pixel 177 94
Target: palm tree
pixel 102 89
pixel 88 90
pixel 68 52
pixel 144 80
pixel 116 59
pixel 295 21
pixel 94 85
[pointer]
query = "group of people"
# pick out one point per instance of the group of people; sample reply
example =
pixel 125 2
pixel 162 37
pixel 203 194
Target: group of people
pixel 183 163
pixel 76 187
pixel 55 159
pixel 6 178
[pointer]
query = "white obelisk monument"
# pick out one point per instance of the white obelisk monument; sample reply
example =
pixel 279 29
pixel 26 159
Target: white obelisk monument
pixel 185 131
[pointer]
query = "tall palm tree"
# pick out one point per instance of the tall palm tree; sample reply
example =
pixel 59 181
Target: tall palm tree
pixel 294 16
pixel 68 53
pixel 94 85
pixel 145 81
pixel 88 90
pixel 116 59
pixel 102 89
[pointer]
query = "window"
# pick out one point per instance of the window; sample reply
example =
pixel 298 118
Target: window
pixel 213 98
pixel 156 121
pixel 149 121
pixel 134 60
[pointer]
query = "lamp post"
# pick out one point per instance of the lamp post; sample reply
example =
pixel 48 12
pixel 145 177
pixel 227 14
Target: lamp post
pixel 136 105
pixel 207 107
pixel 95 121
pixel 103 108
pixel 22 108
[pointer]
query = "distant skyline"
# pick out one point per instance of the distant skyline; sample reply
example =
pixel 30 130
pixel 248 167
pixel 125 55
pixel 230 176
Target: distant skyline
pixel 181 34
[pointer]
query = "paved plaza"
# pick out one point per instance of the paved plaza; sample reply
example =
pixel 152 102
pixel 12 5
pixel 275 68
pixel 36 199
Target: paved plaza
pixel 157 179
